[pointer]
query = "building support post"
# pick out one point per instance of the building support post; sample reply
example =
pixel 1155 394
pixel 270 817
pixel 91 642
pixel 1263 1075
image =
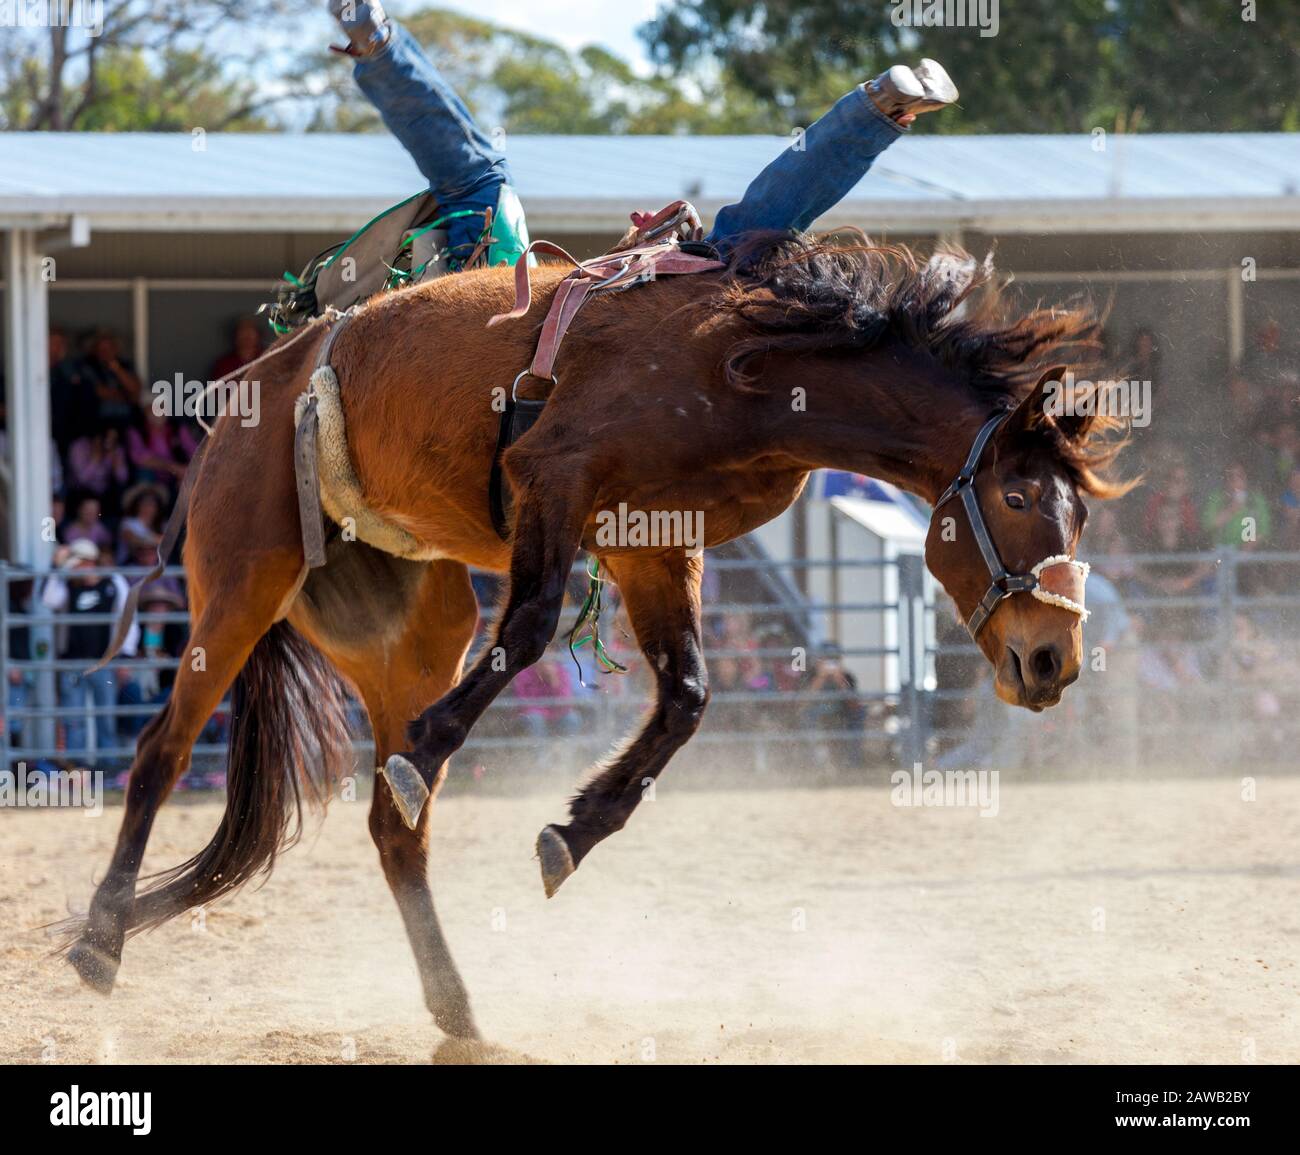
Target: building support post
pixel 27 373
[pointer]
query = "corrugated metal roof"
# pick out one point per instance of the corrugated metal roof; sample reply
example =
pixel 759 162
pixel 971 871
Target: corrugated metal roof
pixel 158 180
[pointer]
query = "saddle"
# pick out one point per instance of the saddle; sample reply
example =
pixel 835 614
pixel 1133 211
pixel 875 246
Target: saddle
pixel 403 244
pixel 664 243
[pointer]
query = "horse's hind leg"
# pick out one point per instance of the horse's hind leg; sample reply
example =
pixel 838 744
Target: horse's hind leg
pixel 224 632
pixel 662 595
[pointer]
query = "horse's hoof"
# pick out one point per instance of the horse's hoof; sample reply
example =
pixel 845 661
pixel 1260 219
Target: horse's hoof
pixel 97 968
pixel 557 862
pixel 407 787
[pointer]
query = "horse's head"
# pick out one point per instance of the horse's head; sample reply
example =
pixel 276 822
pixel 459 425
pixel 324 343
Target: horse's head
pixel 1003 537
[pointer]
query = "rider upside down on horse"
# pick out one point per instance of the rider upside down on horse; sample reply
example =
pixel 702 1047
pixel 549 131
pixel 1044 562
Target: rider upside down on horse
pixel 677 397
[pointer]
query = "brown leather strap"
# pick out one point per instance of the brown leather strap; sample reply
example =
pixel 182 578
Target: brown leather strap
pixel 523 282
pixel 613 271
pixel 568 300
pixel 308 481
pixel 620 269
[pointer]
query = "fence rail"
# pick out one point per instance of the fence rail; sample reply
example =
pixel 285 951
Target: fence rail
pixel 1180 668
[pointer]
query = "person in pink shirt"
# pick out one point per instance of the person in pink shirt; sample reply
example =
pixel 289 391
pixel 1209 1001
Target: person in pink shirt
pixel 547 679
pixel 158 450
pixel 97 464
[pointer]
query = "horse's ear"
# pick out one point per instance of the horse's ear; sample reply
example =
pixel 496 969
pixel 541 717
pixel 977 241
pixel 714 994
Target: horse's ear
pixel 1045 403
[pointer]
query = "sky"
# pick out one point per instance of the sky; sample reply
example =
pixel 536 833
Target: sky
pixel 573 23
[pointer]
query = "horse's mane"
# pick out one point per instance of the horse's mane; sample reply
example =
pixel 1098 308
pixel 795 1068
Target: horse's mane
pixel 819 294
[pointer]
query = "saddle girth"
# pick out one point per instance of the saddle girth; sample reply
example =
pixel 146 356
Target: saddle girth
pixel 612 272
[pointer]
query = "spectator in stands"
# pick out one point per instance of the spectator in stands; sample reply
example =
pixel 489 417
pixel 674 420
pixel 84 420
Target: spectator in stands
pixel 78 593
pixel 141 528
pixel 159 450
pixel 1179 579
pixel 1169 534
pixel 87 525
pixel 150 685
pixel 1247 413
pixel 117 389
pixel 97 465
pixel 1264 361
pixel 726 680
pixel 833 706
pixel 245 346
pixel 1289 529
pixel 1283 442
pixel 1144 359
pixel 1237 515
pixel 72 399
pixel 1263 666
pixel 1174 488
pixel 1106 543
pixel 547 679
pixel 737 636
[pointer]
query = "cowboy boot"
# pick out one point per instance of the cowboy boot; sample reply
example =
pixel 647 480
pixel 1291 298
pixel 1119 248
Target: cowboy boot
pixel 904 93
pixel 365 23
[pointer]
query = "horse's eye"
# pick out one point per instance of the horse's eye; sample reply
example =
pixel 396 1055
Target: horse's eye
pixel 1015 499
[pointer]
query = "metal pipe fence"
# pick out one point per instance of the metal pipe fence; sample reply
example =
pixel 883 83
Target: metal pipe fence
pixel 1204 673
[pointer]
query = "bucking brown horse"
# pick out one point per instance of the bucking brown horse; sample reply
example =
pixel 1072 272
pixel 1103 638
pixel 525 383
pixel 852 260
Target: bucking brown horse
pixel 713 394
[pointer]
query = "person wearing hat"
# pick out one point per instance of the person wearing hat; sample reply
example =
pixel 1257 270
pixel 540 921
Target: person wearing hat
pixel 141 528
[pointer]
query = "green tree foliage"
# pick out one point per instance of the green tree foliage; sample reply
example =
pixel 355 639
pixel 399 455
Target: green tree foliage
pixel 151 66
pixel 532 85
pixel 1054 65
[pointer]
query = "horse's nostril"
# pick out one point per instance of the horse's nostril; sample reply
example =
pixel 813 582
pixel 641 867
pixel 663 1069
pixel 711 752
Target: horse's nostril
pixel 1045 665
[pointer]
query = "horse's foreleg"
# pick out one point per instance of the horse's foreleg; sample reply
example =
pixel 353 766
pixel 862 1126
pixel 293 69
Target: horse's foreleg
pixel 428 662
pixel 662 595
pixel 548 531
pixel 403 854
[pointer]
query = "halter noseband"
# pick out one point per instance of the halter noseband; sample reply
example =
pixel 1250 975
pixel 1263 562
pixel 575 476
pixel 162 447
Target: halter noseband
pixel 1068 593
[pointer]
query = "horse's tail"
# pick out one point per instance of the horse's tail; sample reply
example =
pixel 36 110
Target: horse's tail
pixel 288 739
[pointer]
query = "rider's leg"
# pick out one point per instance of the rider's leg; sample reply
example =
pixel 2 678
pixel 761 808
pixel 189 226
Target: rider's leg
pixel 816 172
pixel 433 124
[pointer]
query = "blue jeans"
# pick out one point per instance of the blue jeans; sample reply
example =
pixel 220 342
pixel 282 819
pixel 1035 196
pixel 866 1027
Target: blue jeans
pixel 464 171
pixel 81 690
pixel 799 186
pixel 17 699
pixel 423 111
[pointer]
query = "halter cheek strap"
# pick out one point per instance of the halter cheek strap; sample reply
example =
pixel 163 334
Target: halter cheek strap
pixel 1057 580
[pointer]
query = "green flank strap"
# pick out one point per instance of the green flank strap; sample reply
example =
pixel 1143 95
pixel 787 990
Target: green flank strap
pixel 589 617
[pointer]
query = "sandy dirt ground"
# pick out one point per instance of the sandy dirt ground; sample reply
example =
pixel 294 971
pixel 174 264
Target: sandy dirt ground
pixel 1089 922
